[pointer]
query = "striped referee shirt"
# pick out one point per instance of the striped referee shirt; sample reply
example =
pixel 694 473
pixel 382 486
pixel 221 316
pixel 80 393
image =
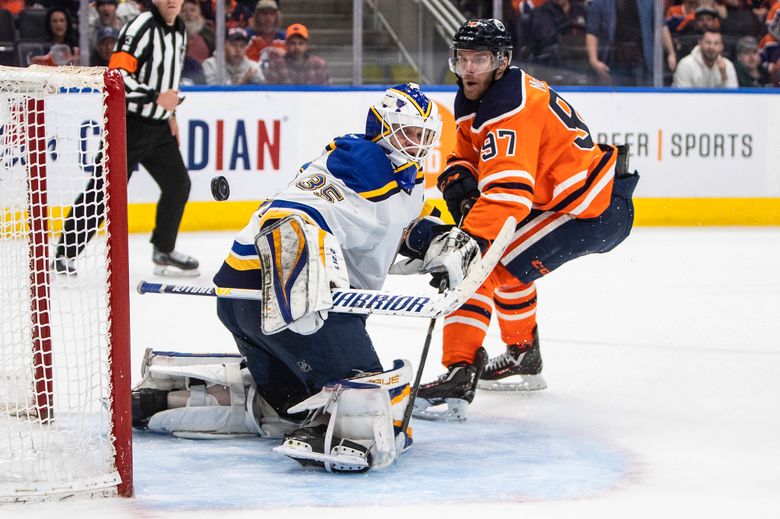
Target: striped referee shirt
pixel 150 55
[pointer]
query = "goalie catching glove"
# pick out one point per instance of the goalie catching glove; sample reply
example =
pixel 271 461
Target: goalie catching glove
pixel 452 255
pixel 445 251
pixel 300 263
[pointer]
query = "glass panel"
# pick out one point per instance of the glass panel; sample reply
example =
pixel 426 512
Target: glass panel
pixel 632 42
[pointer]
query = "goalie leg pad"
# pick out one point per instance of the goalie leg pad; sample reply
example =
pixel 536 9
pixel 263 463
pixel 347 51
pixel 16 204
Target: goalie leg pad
pixel 155 378
pixel 202 416
pixel 367 410
pixel 300 264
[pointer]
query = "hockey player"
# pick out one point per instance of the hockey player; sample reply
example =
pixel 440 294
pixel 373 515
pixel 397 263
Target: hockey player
pixel 521 150
pixel 337 224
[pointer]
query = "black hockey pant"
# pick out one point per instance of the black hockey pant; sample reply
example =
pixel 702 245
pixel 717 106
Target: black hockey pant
pixel 151 144
pixel 288 367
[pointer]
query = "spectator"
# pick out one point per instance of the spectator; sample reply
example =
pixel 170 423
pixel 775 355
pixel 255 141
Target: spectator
pixel 618 53
pixel 548 23
pixel 62 38
pixel 680 18
pixel 749 71
pixel 106 39
pixel 770 44
pixel 265 31
pixel 201 40
pixel 240 69
pixel 60 28
pixel 106 17
pixel 297 66
pixel 129 9
pixel 705 17
pixel 520 20
pixel 15 6
pixel 192 73
pixel 705 66
pixel 236 15
pixel 740 20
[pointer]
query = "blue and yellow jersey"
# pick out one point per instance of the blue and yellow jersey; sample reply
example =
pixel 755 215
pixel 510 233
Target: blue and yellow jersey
pixel 351 192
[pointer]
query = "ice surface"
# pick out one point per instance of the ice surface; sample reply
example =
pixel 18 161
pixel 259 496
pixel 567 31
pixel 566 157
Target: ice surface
pixel 662 359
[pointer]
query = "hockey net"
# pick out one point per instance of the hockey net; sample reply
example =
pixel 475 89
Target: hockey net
pixel 64 340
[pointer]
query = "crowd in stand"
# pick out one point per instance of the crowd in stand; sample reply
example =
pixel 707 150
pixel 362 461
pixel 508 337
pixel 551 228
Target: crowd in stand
pixel 257 48
pixel 706 43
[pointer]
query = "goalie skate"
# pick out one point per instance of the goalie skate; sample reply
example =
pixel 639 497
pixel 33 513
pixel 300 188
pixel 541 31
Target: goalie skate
pixel 307 446
pixel 519 368
pixel 455 389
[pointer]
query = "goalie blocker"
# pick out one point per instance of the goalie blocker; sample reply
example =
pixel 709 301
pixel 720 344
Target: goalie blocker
pixel 350 425
pixel 301 263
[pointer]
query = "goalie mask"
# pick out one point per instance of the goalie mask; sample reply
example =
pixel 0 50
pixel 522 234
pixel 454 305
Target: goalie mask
pixel 481 35
pixel 406 124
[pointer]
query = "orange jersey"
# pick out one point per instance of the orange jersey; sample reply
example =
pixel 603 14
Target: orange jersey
pixel 677 18
pixel 528 149
pixel 773 16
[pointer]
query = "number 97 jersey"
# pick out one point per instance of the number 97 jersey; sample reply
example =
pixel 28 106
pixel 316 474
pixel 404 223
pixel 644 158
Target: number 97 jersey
pixel 529 149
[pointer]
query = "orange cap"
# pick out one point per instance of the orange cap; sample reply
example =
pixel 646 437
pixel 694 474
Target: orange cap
pixel 297 29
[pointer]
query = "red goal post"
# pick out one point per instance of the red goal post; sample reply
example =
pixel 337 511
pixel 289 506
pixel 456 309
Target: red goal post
pixel 65 413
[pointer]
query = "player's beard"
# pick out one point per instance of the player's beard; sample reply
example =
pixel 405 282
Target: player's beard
pixel 194 27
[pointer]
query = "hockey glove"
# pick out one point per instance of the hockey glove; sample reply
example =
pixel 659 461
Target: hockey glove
pixel 414 243
pixel 453 255
pixel 459 189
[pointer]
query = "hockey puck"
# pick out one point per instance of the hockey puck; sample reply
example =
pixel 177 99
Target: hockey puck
pixel 220 189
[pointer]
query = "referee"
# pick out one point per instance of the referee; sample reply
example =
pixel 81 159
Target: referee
pixel 150 55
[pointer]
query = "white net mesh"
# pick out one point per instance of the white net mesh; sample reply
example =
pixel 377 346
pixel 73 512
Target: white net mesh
pixel 55 428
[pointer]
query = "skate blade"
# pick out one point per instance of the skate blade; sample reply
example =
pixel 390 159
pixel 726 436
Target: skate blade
pixel 515 383
pixel 456 410
pixel 175 272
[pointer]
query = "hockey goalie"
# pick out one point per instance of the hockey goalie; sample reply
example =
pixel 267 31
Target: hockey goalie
pixel 304 375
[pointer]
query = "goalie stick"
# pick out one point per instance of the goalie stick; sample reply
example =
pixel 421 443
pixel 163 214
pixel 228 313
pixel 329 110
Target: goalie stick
pixel 380 302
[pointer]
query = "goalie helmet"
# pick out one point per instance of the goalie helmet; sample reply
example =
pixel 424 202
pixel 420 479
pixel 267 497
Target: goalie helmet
pixel 481 35
pixel 406 124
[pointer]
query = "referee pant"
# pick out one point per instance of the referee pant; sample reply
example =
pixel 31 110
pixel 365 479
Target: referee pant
pixel 151 144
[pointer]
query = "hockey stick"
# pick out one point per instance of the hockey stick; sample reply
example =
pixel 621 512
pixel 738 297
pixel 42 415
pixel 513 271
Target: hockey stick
pixel 491 257
pixel 350 301
pixel 418 376
pixel 357 301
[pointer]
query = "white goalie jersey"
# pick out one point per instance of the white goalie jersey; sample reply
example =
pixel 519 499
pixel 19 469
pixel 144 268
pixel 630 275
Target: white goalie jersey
pixel 351 192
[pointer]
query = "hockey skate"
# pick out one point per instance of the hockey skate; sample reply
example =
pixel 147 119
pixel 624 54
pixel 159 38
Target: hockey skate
pixel 519 368
pixel 174 264
pixel 455 389
pixel 64 266
pixel 146 402
pixel 307 447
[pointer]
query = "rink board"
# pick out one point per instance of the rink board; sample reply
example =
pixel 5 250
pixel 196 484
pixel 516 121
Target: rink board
pixel 702 161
